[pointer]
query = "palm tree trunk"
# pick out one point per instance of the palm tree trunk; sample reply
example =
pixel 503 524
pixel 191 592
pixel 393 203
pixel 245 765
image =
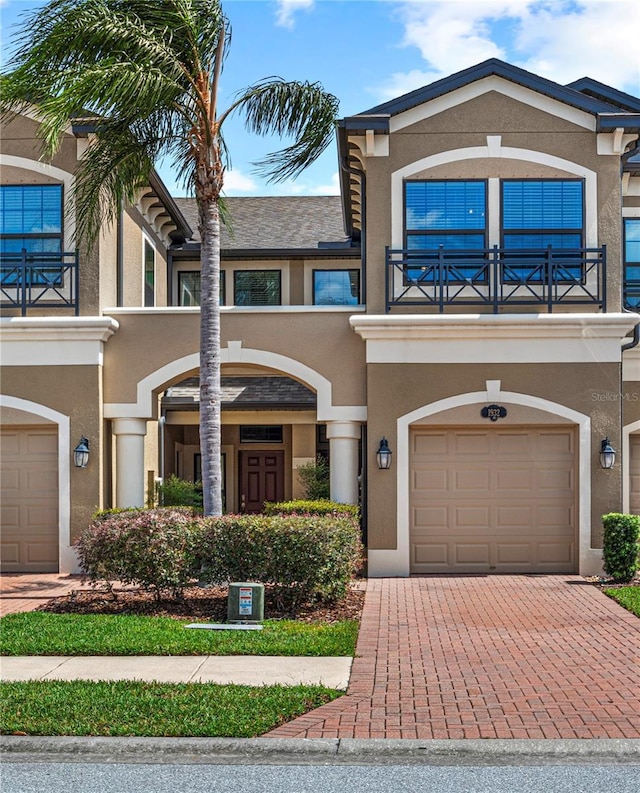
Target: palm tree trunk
pixel 210 392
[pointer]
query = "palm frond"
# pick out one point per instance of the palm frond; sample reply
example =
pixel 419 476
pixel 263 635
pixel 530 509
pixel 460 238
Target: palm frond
pixel 302 110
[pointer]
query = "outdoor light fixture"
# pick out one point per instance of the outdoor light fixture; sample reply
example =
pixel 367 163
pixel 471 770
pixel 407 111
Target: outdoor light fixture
pixel 383 455
pixel 607 455
pixel 81 453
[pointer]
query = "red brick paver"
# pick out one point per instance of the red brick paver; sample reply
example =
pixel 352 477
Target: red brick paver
pixel 487 657
pixel 25 592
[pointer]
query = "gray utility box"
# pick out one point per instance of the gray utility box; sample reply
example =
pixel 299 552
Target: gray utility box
pixel 245 603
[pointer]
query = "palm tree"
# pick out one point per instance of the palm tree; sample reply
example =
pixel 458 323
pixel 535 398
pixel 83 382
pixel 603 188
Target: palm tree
pixel 147 73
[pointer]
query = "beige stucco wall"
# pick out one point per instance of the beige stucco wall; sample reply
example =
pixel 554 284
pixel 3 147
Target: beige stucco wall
pixel 520 126
pixel 75 392
pixel 20 139
pixel 322 341
pixel 397 389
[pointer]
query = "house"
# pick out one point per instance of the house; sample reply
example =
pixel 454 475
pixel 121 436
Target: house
pixel 470 300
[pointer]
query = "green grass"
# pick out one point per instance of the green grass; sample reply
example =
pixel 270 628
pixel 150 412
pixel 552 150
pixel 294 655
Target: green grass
pixel 628 596
pixel 41 633
pixel 152 709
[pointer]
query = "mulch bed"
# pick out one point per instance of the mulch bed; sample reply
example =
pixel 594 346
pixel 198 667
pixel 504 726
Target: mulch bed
pixel 209 603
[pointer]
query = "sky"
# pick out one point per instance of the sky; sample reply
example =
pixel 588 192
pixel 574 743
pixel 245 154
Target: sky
pixel 368 51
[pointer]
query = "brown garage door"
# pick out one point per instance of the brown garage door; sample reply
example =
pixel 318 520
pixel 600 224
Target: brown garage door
pixel 634 474
pixel 493 500
pixel 29 499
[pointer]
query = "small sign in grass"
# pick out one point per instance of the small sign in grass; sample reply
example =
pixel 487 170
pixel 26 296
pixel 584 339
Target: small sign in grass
pixel 152 709
pixel 42 633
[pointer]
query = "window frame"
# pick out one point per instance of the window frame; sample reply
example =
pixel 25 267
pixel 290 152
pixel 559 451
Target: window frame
pixel 626 263
pixel 147 245
pixel 431 260
pixel 526 253
pixel 334 270
pixel 236 273
pixel 223 282
pixel 276 429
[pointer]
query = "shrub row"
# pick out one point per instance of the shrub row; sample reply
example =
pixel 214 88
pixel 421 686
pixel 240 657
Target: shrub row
pixel 165 549
pixel 621 546
pixel 310 507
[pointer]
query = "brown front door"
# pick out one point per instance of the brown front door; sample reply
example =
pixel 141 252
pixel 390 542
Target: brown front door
pixel 261 479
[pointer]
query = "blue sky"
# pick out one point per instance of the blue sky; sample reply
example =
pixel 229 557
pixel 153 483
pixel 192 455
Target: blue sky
pixel 366 51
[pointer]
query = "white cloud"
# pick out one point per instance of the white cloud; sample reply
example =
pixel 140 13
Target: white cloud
pixel 237 183
pixel 300 187
pixel 558 39
pixel 287 8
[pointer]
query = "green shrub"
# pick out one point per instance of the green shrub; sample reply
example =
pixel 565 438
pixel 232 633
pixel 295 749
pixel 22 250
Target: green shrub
pixel 305 556
pixel 314 478
pixel 175 492
pixel 620 546
pixel 101 514
pixel 309 507
pixel 154 549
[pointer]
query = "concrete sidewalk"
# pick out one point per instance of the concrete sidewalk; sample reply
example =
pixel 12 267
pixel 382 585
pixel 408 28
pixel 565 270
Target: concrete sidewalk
pixel 257 670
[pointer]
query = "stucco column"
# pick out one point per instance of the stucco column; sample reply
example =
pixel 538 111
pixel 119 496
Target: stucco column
pixel 130 477
pixel 343 450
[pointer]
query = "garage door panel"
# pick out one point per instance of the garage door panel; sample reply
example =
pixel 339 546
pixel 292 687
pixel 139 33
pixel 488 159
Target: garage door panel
pixel 492 499
pixel 428 445
pixel 470 517
pixel 634 474
pixel 29 496
pixel 467 553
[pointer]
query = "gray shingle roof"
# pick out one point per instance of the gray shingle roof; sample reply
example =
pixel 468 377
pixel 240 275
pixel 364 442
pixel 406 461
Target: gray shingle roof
pixel 244 393
pixel 273 222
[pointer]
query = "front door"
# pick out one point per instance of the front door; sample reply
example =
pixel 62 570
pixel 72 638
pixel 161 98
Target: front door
pixel 261 479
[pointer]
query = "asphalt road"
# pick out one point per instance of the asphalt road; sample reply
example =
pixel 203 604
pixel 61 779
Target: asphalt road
pixel 150 778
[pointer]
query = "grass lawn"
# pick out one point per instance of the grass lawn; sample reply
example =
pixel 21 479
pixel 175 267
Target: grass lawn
pixel 152 709
pixel 42 633
pixel 627 596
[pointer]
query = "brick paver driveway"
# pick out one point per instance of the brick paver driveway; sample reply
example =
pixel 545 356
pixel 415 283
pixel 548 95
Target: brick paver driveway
pixel 487 657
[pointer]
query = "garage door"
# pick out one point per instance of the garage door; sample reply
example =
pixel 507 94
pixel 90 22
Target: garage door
pixel 29 499
pixel 634 474
pixel 492 500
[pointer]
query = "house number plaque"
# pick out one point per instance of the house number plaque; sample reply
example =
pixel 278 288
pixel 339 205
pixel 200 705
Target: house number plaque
pixel 493 412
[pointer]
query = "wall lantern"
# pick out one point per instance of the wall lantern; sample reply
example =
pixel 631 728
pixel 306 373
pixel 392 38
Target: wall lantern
pixel 607 455
pixel 81 453
pixel 383 455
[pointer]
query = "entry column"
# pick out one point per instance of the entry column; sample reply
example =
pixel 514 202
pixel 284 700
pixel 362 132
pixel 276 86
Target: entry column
pixel 343 451
pixel 130 477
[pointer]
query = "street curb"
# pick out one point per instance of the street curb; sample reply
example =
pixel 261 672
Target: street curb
pixel 320 750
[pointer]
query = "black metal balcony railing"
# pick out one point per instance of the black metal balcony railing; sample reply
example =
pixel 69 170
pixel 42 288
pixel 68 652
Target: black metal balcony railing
pixel 496 277
pixel 39 280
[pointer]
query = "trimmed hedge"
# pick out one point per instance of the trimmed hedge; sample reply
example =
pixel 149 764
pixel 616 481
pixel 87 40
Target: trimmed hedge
pixel 310 507
pixel 309 556
pixel 620 546
pixel 154 548
pixel 304 557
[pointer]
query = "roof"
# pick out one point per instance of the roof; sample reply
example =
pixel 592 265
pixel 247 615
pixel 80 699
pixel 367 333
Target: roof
pixel 276 222
pixel 244 393
pixel 587 85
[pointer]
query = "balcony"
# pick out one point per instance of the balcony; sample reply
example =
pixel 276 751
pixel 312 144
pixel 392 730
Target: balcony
pixel 493 278
pixel 38 281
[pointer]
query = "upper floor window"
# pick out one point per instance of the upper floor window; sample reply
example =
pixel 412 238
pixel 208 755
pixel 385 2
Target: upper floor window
pixel 539 213
pixel 149 274
pixel 189 287
pixel 256 288
pixel 451 214
pixel 336 287
pixel 31 218
pixel 632 263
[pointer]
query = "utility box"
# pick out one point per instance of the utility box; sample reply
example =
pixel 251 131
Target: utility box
pixel 245 603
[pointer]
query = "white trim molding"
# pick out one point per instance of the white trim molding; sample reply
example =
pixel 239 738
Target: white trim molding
pixel 67 562
pixel 396 562
pixel 67 179
pixel 55 341
pixel 494 338
pixel 483 86
pixel 495 149
pixel 236 353
pixel 627 431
